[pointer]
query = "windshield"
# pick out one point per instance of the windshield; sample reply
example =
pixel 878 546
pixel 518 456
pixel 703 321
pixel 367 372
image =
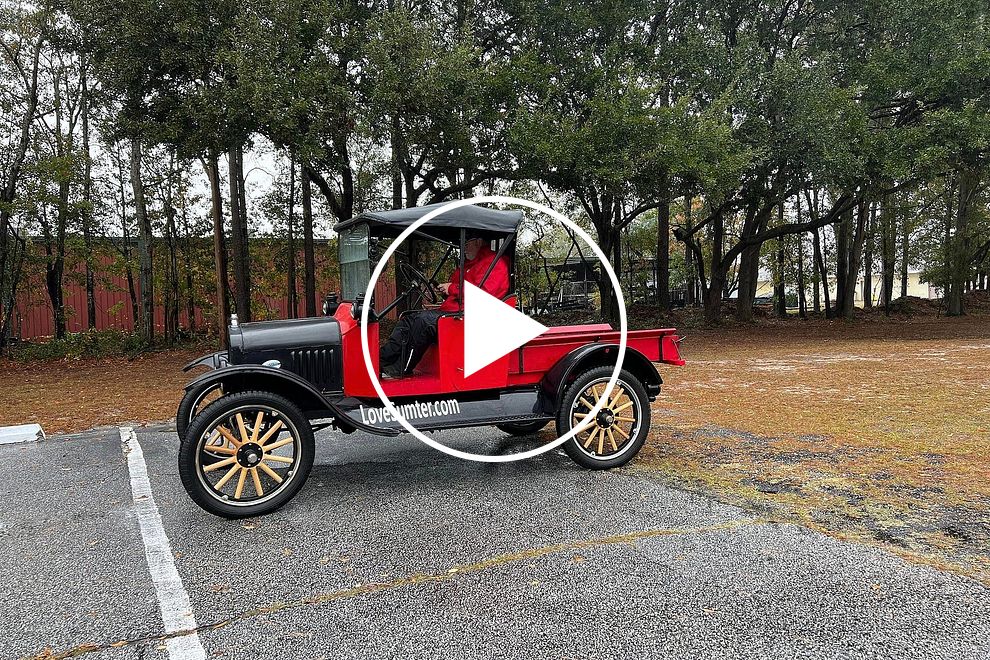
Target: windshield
pixel 355 267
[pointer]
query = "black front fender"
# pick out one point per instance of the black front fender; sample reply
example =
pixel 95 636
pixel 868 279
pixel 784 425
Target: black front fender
pixel 244 377
pixel 216 360
pixel 569 367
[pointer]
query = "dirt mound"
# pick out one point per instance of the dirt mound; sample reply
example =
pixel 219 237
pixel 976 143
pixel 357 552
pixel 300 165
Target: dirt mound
pixel 977 302
pixel 913 306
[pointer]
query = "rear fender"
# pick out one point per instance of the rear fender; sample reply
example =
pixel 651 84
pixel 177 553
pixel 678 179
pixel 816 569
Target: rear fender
pixel 569 367
pixel 243 377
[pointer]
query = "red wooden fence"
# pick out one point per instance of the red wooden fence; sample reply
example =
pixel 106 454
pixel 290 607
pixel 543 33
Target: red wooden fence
pixel 33 316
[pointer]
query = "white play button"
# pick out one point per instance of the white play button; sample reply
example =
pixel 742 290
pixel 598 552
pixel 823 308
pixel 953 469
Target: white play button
pixel 492 329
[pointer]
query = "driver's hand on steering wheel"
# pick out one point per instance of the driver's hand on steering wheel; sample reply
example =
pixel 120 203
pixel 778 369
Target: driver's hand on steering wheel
pixel 444 287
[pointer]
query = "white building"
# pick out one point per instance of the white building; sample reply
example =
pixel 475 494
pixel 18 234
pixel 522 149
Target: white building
pixel 916 287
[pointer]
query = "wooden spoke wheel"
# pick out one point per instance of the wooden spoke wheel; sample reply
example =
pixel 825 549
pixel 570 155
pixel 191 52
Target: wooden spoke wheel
pixel 193 404
pixel 246 454
pixel 617 432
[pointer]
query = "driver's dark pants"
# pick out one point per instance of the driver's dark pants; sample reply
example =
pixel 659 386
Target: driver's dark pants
pixel 413 334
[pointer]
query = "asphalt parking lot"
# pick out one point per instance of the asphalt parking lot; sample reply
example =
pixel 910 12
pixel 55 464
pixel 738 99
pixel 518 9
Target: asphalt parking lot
pixel 394 550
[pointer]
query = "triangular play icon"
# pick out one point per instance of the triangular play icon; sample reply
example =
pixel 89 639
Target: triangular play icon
pixel 492 329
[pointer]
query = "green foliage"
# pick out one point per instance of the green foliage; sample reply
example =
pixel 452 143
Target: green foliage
pixel 76 345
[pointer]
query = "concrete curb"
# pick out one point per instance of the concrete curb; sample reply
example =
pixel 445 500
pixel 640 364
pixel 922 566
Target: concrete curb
pixel 22 433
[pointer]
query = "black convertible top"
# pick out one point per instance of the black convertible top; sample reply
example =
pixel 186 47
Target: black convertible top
pixel 477 218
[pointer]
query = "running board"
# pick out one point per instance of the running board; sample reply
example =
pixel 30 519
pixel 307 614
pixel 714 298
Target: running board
pixel 447 412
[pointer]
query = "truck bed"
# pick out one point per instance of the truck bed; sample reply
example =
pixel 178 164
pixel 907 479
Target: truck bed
pixel 540 354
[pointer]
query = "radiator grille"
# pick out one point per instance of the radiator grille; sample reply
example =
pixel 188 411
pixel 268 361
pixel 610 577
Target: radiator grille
pixel 315 365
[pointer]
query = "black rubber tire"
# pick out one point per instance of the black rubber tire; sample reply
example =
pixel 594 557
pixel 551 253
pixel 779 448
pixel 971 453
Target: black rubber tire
pixel 521 428
pixel 221 408
pixel 635 443
pixel 186 411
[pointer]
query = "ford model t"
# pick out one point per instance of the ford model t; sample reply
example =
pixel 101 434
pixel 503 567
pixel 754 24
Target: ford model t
pixel 246 426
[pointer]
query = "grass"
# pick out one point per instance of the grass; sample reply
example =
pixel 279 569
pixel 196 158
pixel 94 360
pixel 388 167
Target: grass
pixel 74 394
pixel 872 432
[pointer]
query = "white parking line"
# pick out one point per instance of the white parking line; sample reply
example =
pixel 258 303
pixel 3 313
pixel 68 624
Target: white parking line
pixel 173 601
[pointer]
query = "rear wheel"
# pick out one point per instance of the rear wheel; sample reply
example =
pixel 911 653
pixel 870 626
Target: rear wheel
pixel 246 454
pixel 617 432
pixel 521 428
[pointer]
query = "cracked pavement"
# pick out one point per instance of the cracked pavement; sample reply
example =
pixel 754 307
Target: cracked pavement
pixel 394 550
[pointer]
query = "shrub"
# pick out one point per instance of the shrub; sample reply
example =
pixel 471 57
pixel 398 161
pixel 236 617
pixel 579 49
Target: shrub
pixel 90 343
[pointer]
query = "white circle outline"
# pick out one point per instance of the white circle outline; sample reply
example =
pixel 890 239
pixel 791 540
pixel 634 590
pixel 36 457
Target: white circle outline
pixel 450 451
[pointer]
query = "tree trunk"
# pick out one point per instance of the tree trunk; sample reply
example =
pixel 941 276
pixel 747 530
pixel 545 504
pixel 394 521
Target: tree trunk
pixel 841 260
pixel 187 264
pixel 868 259
pixel 240 257
pixel 292 295
pixel 145 249
pixel 713 296
pixel 173 261
pixel 858 234
pixel 780 287
pixel 219 247
pixel 822 275
pixel 663 247
pixel 87 208
pixel 12 258
pixel 396 164
pixel 690 296
pixel 905 243
pixel 309 256
pixel 749 264
pixel 802 295
pixel 55 269
pixel 888 249
pixel 610 302
pixel 712 291
pixel 959 256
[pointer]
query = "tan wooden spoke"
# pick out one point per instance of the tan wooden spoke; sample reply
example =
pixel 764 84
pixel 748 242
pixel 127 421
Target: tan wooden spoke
pixel 619 430
pixel 270 472
pixel 219 464
pixel 225 432
pixel 220 449
pixel 240 484
pixel 591 437
pixel 257 482
pixel 225 478
pixel 270 432
pixel 583 427
pixel 240 426
pixel 585 402
pixel 627 404
pixel 276 445
pixel 625 419
pixel 601 442
pixel 277 459
pixel 257 425
pixel 611 439
pixel 619 392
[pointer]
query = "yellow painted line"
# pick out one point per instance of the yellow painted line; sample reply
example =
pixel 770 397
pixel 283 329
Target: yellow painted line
pixel 410 580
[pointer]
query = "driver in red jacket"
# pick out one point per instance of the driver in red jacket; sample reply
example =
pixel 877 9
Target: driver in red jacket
pixel 417 331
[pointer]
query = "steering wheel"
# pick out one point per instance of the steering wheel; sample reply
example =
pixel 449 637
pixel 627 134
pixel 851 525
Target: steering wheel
pixel 422 286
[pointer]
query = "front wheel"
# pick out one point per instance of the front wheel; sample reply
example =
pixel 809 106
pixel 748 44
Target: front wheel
pixel 193 404
pixel 246 454
pixel 617 432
